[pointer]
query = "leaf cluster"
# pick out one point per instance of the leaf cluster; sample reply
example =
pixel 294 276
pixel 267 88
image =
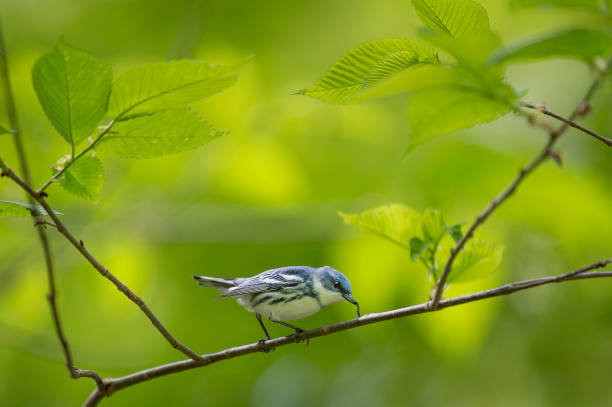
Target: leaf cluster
pixel 423 235
pixel 455 71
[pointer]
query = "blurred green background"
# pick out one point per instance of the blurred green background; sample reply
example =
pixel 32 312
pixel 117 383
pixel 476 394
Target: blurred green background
pixel 268 195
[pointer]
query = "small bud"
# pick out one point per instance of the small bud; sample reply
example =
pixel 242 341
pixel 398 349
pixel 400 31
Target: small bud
pixel 599 67
pixel 556 155
pixel 583 108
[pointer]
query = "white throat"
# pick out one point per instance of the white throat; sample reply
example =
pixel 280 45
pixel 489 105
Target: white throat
pixel 326 297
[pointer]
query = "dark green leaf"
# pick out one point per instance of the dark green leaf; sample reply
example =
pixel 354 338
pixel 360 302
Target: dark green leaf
pixel 417 247
pixel 84 179
pixel 19 209
pixel 397 223
pixel 164 133
pixel 367 66
pixel 457 18
pixel 162 86
pixel 4 130
pixel 581 43
pixel 455 232
pixel 73 88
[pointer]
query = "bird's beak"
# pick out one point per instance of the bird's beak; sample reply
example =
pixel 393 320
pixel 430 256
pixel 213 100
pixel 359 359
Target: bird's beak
pixel 350 299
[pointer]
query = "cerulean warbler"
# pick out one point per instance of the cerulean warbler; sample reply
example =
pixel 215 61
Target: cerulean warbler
pixel 285 293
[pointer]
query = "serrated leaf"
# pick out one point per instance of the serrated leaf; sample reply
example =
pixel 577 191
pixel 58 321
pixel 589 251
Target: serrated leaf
pixel 164 133
pixel 433 225
pixel 437 112
pixel 581 43
pixel 395 222
pixel 84 179
pixel 20 209
pixel 4 130
pixel 455 232
pixel 477 259
pixel 457 18
pixel 73 88
pixel 417 247
pixel 368 65
pixel 162 86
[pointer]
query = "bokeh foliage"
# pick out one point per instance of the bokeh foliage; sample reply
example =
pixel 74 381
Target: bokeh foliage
pixel 268 194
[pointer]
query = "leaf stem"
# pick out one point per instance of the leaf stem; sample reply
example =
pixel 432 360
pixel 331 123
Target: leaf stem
pixel 58 174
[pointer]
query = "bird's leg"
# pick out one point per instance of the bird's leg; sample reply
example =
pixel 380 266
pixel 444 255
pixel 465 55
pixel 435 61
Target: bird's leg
pixel 295 336
pixel 262 341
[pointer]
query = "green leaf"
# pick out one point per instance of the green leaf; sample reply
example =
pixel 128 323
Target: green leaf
pixel 457 18
pixel 84 178
pixel 437 112
pixel 455 232
pixel 4 130
pixel 581 43
pixel 433 225
pixel 417 247
pixel 73 88
pixel 395 222
pixel 164 133
pixel 477 259
pixel 368 65
pixel 152 88
pixel 19 209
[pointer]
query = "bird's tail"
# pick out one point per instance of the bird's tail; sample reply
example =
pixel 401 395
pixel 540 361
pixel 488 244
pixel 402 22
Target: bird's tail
pixel 221 284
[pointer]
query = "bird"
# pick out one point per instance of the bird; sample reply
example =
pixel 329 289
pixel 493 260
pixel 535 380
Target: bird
pixel 285 293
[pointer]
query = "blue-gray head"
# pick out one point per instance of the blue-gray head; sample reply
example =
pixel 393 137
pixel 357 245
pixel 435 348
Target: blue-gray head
pixel 335 287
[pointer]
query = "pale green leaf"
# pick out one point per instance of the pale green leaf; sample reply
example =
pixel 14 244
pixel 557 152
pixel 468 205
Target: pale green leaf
pixel 437 112
pixel 366 66
pixel 395 222
pixel 433 225
pixel 581 43
pixel 73 88
pixel 152 88
pixel 19 209
pixel 84 179
pixel 164 133
pixel 477 259
pixel 457 18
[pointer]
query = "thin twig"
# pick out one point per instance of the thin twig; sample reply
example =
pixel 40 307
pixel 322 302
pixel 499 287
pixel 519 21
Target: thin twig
pixel 11 108
pixel 115 384
pixel 546 152
pixel 78 244
pixel 568 122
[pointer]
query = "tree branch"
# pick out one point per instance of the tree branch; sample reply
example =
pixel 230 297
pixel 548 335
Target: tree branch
pixel 546 152
pixel 78 244
pixel 11 108
pixel 115 384
pixel 568 122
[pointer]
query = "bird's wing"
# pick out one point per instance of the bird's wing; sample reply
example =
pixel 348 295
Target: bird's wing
pixel 270 280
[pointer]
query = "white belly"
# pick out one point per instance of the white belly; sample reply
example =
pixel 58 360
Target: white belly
pixel 296 309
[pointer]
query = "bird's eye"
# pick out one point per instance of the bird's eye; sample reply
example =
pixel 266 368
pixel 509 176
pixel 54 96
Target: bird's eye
pixel 337 285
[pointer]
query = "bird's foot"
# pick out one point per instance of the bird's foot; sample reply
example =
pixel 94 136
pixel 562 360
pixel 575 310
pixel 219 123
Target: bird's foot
pixel 261 343
pixel 296 336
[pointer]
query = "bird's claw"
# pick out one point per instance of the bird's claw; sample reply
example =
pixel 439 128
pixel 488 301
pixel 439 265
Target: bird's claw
pixel 296 336
pixel 261 343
